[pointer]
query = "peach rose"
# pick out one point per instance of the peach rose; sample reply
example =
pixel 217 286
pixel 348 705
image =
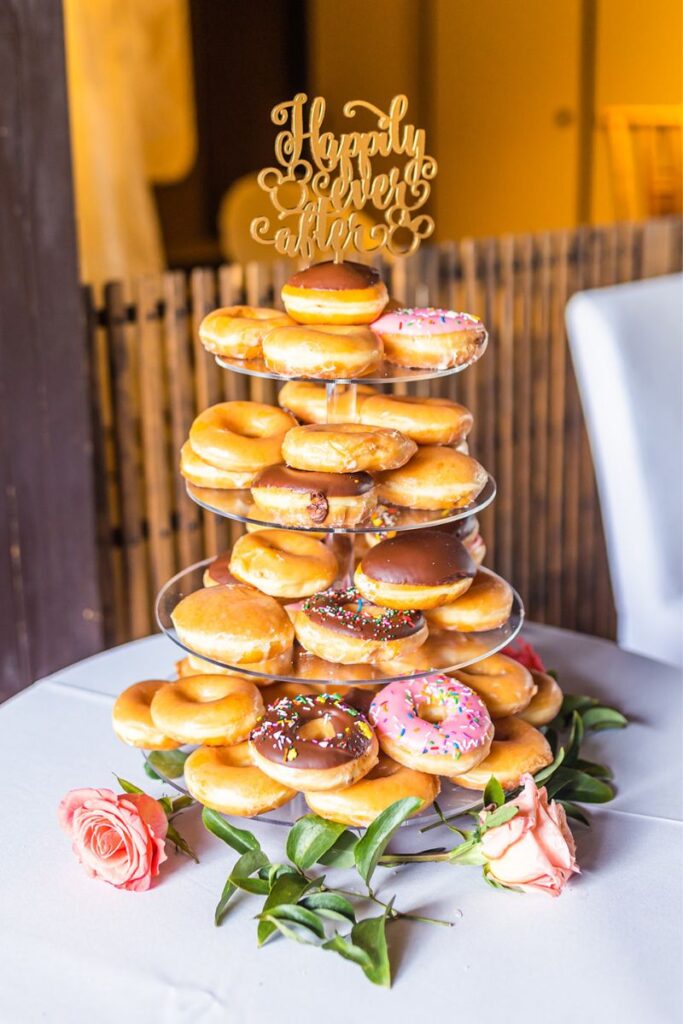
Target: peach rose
pixel 118 838
pixel 535 850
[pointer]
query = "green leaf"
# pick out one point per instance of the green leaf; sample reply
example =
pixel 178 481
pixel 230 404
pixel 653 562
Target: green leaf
pixel 604 718
pixel 128 787
pixel 575 738
pixel 255 886
pixel 468 852
pixel 330 904
pixel 367 947
pixel 572 811
pixel 585 789
pixel 248 863
pixel 287 889
pixel 498 817
pixel 238 838
pixel 310 838
pixel 170 764
pixel 179 803
pixel 376 839
pixel 576 702
pixel 150 773
pixel 547 772
pixel 600 771
pixel 229 889
pixel 181 844
pixel 493 794
pixel 296 914
pixel 276 870
pixel 341 855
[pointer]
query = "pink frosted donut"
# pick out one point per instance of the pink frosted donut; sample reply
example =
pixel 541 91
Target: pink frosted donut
pixel 432 724
pixel 430 338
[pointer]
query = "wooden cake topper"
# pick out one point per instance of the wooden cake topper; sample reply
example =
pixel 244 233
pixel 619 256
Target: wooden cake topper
pixel 324 181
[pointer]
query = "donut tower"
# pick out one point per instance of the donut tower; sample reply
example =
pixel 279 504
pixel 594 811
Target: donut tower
pixel 343 651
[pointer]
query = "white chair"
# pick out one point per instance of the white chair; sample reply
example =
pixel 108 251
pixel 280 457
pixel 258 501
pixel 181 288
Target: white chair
pixel 627 347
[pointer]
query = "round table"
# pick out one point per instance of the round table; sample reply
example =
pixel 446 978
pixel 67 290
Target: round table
pixel 73 949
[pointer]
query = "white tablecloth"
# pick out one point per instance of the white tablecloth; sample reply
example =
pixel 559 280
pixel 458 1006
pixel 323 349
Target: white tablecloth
pixel 75 950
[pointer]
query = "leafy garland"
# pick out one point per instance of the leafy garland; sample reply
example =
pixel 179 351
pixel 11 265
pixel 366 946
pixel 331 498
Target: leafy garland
pixel 303 907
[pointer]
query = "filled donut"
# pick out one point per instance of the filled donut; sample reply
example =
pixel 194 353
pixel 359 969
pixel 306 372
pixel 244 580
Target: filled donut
pixel 132 718
pixel 432 724
pixel 339 626
pixel 437 477
pixel 212 709
pixel 294 497
pixel 345 448
pixel 517 748
pixel 236 332
pixel 424 420
pixel 226 780
pixel 430 338
pixel 359 804
pixel 416 569
pixel 335 293
pixel 283 563
pixel 486 604
pixel 313 743
pixel 323 351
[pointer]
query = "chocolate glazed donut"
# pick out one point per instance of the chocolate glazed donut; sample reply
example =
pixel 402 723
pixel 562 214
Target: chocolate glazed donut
pixel 287 745
pixel 301 498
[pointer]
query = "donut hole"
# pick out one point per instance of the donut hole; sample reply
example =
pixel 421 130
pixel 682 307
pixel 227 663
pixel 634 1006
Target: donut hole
pixel 432 713
pixel 317 729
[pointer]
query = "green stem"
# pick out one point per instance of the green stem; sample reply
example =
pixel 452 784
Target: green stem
pixel 414 858
pixel 394 914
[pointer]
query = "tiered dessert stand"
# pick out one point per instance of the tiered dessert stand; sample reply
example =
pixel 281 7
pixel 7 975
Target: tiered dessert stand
pixel 467 648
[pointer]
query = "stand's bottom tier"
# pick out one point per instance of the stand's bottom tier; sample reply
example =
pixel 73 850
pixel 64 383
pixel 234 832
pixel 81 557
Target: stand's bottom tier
pixel 444 650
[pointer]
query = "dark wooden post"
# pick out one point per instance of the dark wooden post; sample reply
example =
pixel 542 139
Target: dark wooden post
pixel 49 595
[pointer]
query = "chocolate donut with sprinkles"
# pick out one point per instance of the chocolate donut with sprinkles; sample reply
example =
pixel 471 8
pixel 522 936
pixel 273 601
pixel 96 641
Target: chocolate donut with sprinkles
pixel 314 743
pixel 340 626
pixel 432 724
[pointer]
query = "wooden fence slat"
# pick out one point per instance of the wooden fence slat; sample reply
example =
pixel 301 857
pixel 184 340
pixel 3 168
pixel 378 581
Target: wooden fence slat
pixel 124 362
pixel 522 416
pixel 505 465
pixel 235 385
pixel 260 293
pixel 539 434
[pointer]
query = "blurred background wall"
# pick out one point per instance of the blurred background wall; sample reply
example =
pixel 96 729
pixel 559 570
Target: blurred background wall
pixel 170 103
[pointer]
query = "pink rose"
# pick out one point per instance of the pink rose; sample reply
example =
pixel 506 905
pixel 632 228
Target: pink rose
pixel 116 837
pixel 521 651
pixel 535 850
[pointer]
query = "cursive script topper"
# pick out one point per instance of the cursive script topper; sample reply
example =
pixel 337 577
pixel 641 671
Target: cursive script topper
pixel 324 181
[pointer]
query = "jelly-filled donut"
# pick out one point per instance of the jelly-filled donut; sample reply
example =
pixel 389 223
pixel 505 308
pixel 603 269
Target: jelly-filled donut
pixel 335 293
pixel 424 420
pixel 296 497
pixel 314 743
pixel 132 719
pixel 546 702
pixel 308 401
pixel 432 724
pixel 237 331
pixel 339 625
pixel 437 477
pixel 212 709
pixel 325 351
pixel 517 748
pixel 345 448
pixel 430 338
pixel 358 805
pixel 283 563
pixel 240 437
pixel 486 605
pixel 416 569
pixel 505 686
pixel 226 780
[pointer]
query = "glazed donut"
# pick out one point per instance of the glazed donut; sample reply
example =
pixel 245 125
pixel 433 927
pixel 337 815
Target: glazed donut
pixel 308 402
pixel 193 665
pixel 326 351
pixel 424 420
pixel 467 531
pixel 433 724
pixel 517 748
pixel 546 702
pixel 486 605
pixel 225 779
pixel 236 332
pixel 294 497
pixel 442 650
pixel 430 338
pixel 283 563
pixel 132 719
pixel 339 626
pixel 436 477
pixel 242 437
pixel 235 625
pixel 416 569
pixel 215 710
pixel 335 293
pixel 198 472
pixel 358 805
pixel 272 694
pixel 345 448
pixel 505 686
pixel 341 677
pixel 313 743
pixel 218 573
